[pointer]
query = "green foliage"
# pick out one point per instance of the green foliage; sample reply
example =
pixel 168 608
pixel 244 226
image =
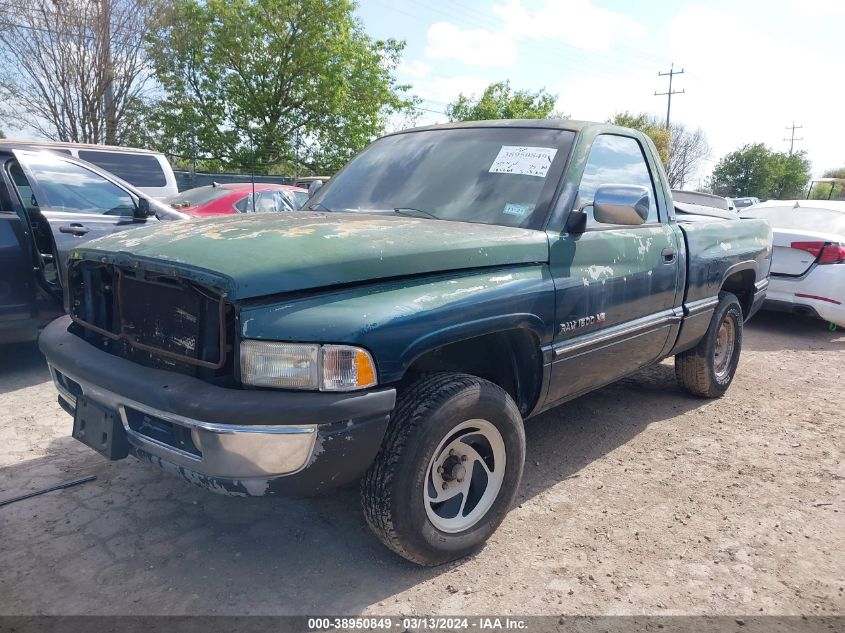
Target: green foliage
pixel 647 124
pixel 827 190
pixel 500 102
pixel 2 134
pixel 275 82
pixel 755 170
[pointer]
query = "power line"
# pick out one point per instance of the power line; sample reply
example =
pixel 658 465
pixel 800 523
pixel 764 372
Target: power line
pixel 672 72
pixel 792 138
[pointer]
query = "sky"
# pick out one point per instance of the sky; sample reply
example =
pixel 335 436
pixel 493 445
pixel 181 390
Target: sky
pixel 751 68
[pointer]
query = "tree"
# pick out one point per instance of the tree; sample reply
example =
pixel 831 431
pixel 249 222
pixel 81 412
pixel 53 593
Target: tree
pixel 755 170
pixel 75 71
pixel 829 191
pixel 272 82
pixel 498 101
pixel 791 175
pixel 681 150
pixel 649 125
pixel 687 148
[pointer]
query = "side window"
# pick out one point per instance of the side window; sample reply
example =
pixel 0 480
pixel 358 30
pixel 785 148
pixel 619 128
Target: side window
pixel 24 189
pixel 286 201
pixel 141 170
pixel 72 188
pixel 615 160
pixel 244 205
pixel 266 202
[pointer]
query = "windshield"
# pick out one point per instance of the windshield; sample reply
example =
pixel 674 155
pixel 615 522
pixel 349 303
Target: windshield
pixel 741 203
pixel 502 176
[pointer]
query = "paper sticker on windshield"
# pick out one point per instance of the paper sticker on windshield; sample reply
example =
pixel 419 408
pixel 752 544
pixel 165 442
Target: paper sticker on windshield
pixel 516 209
pixel 527 161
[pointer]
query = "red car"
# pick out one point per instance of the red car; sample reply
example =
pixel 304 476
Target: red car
pixel 236 197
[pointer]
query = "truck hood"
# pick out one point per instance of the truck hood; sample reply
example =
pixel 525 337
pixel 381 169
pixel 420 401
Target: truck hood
pixel 254 255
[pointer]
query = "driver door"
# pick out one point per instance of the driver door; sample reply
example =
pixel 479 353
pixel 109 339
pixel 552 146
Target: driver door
pixel 616 286
pixel 68 202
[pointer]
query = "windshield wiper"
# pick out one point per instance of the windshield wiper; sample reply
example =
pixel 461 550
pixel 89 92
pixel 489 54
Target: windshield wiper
pixel 313 207
pixel 410 211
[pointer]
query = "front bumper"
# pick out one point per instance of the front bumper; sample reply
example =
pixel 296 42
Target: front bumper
pixel 238 441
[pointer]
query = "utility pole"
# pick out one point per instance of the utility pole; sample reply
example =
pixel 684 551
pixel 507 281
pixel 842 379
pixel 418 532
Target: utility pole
pixel 108 74
pixel 792 138
pixel 672 72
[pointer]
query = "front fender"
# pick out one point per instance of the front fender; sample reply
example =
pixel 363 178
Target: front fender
pixel 399 320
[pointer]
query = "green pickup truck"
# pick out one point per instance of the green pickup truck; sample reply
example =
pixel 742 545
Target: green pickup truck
pixel 445 286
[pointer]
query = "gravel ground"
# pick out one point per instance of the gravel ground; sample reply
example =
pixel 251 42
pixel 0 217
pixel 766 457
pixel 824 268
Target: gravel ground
pixel 637 499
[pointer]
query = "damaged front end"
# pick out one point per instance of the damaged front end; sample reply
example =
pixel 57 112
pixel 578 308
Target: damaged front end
pixel 145 363
pixel 152 318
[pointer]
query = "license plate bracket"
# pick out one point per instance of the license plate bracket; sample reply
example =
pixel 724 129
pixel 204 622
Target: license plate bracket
pixel 100 429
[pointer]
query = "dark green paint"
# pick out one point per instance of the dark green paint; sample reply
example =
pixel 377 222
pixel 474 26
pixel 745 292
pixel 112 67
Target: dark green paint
pixel 270 253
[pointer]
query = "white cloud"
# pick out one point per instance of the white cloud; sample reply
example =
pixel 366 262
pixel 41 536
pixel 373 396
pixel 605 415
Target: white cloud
pixel 413 70
pixel 475 47
pixel 441 89
pixel 577 23
pixel 752 89
pixel 820 8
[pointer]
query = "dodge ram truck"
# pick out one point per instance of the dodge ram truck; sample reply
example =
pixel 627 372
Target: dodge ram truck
pixel 446 285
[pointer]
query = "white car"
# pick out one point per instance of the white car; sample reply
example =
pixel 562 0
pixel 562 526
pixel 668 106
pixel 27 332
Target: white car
pixel 146 170
pixel 808 262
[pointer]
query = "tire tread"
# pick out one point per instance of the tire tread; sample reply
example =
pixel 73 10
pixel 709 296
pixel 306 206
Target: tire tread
pixel 692 368
pixel 414 404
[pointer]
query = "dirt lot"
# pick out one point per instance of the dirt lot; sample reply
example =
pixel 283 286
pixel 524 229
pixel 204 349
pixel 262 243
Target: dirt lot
pixel 636 500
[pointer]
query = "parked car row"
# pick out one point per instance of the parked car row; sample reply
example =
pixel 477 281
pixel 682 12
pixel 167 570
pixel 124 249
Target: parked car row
pixel 243 197
pixel 49 204
pixel 148 171
pixel 55 196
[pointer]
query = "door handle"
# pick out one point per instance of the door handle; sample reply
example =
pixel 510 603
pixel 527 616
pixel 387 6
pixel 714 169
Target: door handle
pixel 74 229
pixel 668 255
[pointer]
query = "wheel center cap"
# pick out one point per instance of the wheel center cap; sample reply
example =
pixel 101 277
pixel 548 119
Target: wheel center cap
pixel 453 470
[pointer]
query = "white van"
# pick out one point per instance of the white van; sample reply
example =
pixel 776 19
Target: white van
pixel 146 170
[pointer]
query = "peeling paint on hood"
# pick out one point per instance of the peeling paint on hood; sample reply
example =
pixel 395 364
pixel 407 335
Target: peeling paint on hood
pixel 262 254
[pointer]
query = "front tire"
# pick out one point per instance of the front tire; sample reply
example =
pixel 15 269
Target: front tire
pixel 707 370
pixel 448 469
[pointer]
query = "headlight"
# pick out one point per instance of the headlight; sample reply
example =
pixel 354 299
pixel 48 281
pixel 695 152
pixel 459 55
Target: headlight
pixel 303 366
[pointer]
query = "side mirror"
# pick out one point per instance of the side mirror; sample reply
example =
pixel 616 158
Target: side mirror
pixel 621 204
pixel 314 187
pixel 142 211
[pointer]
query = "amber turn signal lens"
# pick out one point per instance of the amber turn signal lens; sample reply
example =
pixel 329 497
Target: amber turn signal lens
pixel 346 368
pixel 366 371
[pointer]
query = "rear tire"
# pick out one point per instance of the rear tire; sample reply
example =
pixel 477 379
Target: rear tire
pixel 708 369
pixel 448 469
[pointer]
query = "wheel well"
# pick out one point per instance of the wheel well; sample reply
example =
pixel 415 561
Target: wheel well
pixel 510 359
pixel 741 283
